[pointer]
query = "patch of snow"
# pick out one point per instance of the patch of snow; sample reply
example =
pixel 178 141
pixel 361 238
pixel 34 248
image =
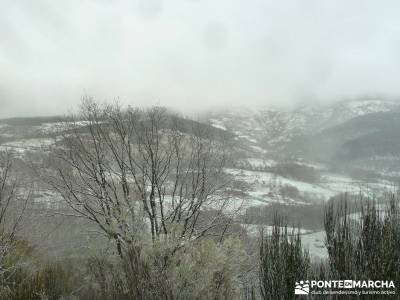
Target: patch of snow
pixel 20 146
pixel 254 230
pixel 315 243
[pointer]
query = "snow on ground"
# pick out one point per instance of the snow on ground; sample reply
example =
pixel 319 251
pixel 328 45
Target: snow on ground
pixel 49 198
pixel 261 163
pixel 263 182
pixel 316 166
pixel 315 243
pixel 258 149
pixel 217 124
pixel 51 127
pixel 27 144
pixel 381 209
pixel 262 195
pixel 59 126
pixel 277 126
pixel 340 183
pixel 235 204
pixel 265 186
pixel 30 143
pixel 246 137
pixel 254 230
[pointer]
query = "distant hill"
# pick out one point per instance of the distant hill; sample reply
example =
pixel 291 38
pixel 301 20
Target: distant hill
pixel 360 135
pixel 40 125
pixel 371 135
pixel 273 129
pixel 32 121
pixel 363 137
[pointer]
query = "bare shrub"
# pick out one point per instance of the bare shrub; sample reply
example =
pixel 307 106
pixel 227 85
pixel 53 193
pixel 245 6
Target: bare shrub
pixel 204 270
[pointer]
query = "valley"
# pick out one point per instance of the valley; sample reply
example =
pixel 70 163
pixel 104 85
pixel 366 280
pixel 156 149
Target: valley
pixel 269 170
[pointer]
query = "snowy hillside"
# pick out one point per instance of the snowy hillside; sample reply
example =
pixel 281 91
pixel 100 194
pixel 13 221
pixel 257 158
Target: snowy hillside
pixel 271 128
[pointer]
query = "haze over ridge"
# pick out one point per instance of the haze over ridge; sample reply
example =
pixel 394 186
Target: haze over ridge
pixel 194 54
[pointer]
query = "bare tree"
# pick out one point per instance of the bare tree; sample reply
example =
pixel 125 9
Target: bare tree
pixel 13 203
pixel 134 172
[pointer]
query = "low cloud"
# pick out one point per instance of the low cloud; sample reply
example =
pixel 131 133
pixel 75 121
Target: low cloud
pixel 194 54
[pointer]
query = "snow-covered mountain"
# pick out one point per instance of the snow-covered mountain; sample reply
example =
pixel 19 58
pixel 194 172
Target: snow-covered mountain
pixel 350 146
pixel 272 128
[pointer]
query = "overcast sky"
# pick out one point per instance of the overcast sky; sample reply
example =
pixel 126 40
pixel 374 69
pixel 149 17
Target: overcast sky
pixel 195 53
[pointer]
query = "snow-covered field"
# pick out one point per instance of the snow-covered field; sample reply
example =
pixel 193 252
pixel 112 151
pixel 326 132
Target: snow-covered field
pixel 313 241
pixel 265 183
pixel 255 230
pixel 27 144
pixel 55 127
pixel 261 163
pixel 265 187
pixel 51 127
